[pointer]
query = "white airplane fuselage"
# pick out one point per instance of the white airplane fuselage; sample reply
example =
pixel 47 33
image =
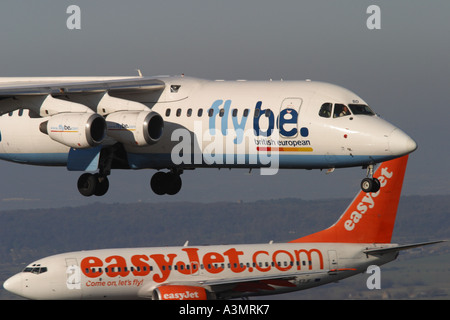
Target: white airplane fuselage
pixel 247 124
pixel 136 273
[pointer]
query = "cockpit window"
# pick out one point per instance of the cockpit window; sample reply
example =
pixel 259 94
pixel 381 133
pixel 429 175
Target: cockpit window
pixel 325 110
pixel 340 110
pixel 361 109
pixel 36 269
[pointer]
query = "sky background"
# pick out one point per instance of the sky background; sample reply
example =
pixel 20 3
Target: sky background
pixel 401 70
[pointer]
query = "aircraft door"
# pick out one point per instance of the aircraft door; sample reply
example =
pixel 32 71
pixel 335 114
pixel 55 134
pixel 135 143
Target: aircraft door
pixel 288 120
pixel 333 261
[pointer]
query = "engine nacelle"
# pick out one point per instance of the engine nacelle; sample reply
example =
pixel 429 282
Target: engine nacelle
pixel 178 292
pixel 138 128
pixel 76 130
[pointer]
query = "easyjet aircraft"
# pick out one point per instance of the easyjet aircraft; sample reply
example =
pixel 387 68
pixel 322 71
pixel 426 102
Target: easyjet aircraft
pixel 360 238
pixel 180 123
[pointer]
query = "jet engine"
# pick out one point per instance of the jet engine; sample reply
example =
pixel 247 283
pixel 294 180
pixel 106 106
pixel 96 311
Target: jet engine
pixel 76 130
pixel 139 128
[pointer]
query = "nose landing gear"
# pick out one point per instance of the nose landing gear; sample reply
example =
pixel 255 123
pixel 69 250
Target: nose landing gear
pixel 370 184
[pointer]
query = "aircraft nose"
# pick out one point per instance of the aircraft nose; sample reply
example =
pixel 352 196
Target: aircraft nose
pixel 14 284
pixel 400 143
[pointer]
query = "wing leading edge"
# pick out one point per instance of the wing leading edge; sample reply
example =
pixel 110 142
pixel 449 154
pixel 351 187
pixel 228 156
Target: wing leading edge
pixel 12 94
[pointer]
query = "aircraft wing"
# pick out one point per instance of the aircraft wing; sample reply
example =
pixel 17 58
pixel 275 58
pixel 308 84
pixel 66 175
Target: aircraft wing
pixel 114 86
pixel 377 251
pixel 227 288
pixel 13 90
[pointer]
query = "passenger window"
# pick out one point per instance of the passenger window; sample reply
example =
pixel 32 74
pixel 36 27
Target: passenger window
pixel 221 112
pixel 178 112
pixel 167 112
pixel 257 112
pixel 210 112
pixel 189 112
pixel 341 110
pixel 267 113
pixel 234 114
pixel 246 113
pixel 200 112
pixel 325 110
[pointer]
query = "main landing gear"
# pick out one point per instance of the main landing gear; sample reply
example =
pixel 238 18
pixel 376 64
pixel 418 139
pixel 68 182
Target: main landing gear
pixel 93 184
pixel 370 184
pixel 166 182
pixel 115 157
pixel 161 183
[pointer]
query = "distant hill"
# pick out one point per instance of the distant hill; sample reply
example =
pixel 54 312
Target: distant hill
pixel 30 234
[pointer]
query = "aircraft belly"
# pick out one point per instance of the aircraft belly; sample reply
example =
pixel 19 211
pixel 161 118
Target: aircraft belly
pixel 284 161
pixel 40 159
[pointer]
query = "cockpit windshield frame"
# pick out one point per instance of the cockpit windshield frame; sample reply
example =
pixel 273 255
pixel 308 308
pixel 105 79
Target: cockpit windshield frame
pixel 339 110
pixel 36 269
pixel 362 109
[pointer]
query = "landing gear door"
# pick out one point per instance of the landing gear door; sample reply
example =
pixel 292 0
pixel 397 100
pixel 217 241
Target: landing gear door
pixel 83 159
pixel 289 117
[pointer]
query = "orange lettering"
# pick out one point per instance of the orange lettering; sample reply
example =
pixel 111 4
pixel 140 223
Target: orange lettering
pixel 118 268
pixel 210 258
pixel 142 268
pixel 193 261
pixel 163 266
pixel 91 262
pixel 309 257
pixel 257 264
pixel 233 258
pixel 278 266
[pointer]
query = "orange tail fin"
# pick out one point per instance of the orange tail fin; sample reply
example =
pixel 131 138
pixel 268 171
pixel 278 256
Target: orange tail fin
pixel 370 218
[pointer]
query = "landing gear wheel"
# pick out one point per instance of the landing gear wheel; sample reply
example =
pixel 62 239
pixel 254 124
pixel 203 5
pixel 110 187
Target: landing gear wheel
pixel 376 185
pixel 370 185
pixel 92 184
pixel 166 183
pixel 87 184
pixel 158 183
pixel 173 183
pixel 102 186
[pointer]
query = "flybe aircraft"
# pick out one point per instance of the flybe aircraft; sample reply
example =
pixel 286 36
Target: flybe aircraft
pixel 173 124
pixel 360 238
